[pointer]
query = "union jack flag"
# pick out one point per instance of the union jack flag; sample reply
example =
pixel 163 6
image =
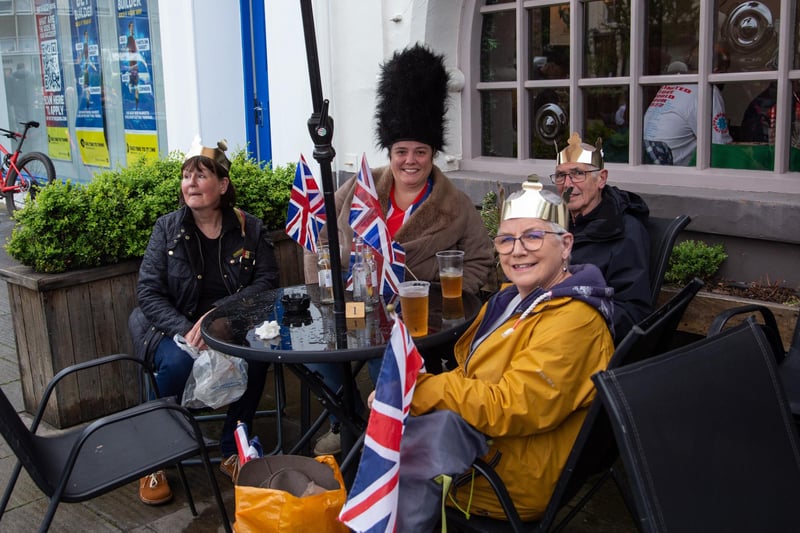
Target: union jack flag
pixel 306 213
pixel 366 219
pixel 372 502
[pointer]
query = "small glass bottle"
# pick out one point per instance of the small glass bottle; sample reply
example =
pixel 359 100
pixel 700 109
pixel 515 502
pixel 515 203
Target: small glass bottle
pixel 360 274
pixel 325 275
pixel 372 270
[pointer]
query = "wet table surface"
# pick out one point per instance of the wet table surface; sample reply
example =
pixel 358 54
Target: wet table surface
pixel 308 335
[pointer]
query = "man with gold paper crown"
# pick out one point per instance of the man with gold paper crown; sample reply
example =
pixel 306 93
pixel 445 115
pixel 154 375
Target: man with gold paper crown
pixel 523 376
pixel 609 229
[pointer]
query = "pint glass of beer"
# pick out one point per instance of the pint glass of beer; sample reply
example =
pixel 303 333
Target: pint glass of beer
pixel 414 306
pixel 451 272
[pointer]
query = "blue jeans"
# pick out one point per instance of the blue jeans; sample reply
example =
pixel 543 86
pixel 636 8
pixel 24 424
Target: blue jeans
pixel 172 368
pixel 331 374
pixel 374 368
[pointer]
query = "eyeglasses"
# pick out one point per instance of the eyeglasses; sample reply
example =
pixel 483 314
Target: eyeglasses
pixel 530 240
pixel 575 175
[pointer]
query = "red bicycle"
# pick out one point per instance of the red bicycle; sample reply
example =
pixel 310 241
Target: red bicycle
pixel 23 174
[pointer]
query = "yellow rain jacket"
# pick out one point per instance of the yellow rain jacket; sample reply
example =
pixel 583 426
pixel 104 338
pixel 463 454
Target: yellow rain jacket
pixel 527 392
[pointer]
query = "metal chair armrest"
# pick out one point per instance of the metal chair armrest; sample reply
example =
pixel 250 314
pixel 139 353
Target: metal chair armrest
pixel 718 324
pixel 484 469
pixel 83 366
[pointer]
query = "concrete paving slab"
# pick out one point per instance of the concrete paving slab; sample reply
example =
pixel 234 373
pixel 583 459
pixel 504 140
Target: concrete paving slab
pixel 9 370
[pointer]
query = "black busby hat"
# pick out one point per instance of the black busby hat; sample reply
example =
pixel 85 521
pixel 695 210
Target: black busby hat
pixel 412 98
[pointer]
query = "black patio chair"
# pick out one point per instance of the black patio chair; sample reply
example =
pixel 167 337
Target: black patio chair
pixel 83 462
pixel 663 233
pixel 706 436
pixel 788 360
pixel 594 451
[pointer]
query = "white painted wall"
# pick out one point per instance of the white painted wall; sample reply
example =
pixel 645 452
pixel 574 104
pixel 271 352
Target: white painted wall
pixel 348 44
pixel 289 94
pixel 353 38
pixel 202 58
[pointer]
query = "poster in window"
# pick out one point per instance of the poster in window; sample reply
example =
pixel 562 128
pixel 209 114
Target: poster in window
pixel 136 77
pixel 90 115
pixel 53 100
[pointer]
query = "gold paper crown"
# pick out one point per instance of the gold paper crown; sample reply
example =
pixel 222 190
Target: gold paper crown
pixel 217 154
pixel 578 152
pixel 533 201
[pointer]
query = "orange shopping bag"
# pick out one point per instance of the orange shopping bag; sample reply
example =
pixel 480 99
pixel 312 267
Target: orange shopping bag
pixel 290 493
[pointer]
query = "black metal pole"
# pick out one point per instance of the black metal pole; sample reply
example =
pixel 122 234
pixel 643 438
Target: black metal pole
pixel 320 126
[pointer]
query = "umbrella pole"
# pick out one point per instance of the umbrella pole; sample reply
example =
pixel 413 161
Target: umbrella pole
pixel 320 126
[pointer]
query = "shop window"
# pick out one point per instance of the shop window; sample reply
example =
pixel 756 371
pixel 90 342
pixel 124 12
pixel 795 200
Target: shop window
pixel 86 73
pixel 737 50
pixel 548 90
pixel 548 42
pixel 498 47
pixel 607 38
pixel 498 116
pixel 549 121
pixel 671 34
pixel 22 7
pixel 797 39
pixel 607 118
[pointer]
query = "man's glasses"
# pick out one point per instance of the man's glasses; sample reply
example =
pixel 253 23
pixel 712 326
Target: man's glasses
pixel 530 240
pixel 575 175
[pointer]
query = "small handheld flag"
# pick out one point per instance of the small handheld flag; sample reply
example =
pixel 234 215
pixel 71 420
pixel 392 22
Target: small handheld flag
pixel 242 445
pixel 306 213
pixel 367 221
pixel 372 502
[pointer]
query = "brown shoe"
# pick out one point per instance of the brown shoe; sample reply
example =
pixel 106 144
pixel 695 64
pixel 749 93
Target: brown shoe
pixel 154 489
pixel 230 467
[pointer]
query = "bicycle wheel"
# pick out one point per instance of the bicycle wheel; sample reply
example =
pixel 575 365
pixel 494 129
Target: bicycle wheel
pixel 35 170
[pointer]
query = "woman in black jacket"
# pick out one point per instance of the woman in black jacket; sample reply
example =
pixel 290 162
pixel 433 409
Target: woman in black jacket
pixel 201 256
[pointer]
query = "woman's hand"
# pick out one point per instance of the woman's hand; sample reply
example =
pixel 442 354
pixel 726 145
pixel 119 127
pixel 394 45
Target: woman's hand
pixel 370 399
pixel 194 337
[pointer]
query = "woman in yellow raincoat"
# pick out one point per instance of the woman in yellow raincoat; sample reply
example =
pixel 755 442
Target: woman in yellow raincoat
pixel 524 365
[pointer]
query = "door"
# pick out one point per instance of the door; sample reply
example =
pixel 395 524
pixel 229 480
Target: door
pixel 256 88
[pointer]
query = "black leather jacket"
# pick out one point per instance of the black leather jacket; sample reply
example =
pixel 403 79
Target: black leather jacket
pixel 173 262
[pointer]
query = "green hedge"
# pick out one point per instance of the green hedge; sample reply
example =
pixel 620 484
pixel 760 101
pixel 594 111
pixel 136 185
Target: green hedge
pixel 109 220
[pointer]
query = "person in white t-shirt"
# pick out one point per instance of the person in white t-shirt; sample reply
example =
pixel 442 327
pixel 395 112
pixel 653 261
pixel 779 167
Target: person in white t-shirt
pixel 670 122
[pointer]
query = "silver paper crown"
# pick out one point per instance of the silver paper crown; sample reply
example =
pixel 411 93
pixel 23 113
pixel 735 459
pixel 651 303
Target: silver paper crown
pixel 579 152
pixel 534 201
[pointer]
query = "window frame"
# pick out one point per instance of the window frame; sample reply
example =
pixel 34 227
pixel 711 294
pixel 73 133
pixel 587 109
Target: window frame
pixel 635 170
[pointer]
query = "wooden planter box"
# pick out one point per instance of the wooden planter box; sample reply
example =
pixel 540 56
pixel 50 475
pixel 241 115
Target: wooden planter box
pixel 705 306
pixel 63 319
pixel 290 259
pixel 68 318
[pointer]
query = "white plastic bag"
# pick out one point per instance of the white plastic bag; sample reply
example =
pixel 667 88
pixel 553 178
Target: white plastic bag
pixel 216 379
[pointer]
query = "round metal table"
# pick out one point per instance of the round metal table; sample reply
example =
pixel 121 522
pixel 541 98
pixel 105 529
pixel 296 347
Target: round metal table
pixel 308 335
